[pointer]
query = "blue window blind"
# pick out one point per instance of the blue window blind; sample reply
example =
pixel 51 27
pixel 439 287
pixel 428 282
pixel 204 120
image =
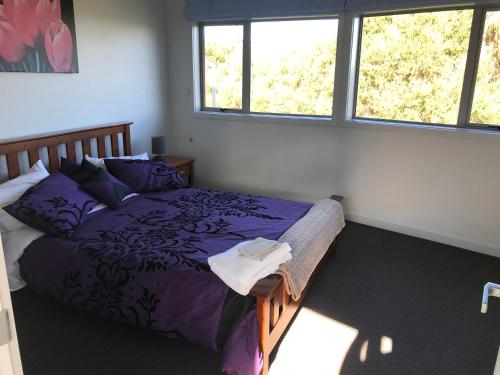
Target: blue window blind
pixel 222 10
pixel 206 10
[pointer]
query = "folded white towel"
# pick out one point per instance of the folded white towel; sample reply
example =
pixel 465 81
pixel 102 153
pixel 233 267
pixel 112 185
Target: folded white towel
pixel 258 249
pixel 242 273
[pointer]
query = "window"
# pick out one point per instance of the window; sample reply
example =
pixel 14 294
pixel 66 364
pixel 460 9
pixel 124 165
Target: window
pixel 438 67
pixel 411 66
pixel 433 67
pixel 293 67
pixel 275 67
pixel 486 105
pixel 223 66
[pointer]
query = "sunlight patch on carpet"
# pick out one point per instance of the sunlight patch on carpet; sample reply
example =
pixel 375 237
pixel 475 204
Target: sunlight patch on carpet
pixel 315 344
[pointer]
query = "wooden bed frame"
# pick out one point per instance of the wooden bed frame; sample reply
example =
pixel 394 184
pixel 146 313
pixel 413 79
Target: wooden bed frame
pixel 275 308
pixel 52 142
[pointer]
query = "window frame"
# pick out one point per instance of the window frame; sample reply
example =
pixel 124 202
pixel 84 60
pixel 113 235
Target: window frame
pixel 247 66
pixel 470 72
pixel 483 13
pixel 201 52
pixel 345 90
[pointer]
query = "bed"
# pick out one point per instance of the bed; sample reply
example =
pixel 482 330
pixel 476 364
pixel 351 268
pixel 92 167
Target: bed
pixel 116 265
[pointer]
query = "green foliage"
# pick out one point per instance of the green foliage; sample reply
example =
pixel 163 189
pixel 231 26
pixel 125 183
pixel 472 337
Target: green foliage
pixel 223 73
pixel 298 83
pixel 412 66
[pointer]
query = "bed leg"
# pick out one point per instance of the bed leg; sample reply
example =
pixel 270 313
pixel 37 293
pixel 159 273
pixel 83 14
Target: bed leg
pixel 263 320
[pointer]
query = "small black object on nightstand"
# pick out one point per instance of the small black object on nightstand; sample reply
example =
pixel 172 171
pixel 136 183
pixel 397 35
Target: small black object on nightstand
pixel 158 147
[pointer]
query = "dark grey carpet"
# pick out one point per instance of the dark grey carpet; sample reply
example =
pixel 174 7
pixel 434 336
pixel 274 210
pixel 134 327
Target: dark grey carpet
pixel 423 295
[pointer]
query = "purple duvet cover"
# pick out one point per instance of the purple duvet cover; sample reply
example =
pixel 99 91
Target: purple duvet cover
pixel 145 264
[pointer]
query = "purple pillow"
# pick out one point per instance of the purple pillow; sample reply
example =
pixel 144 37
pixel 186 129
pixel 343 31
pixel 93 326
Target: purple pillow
pixel 68 167
pixel 106 188
pixel 144 176
pixel 97 182
pixel 77 172
pixel 56 206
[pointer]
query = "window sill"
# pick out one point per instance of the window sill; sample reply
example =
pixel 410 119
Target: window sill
pixel 371 123
pixel 328 122
pixel 263 118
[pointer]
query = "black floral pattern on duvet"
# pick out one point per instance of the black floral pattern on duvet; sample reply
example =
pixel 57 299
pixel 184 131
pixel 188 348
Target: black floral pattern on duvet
pixel 151 242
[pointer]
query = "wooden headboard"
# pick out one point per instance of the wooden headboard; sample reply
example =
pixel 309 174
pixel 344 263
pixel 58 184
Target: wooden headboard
pixel 33 146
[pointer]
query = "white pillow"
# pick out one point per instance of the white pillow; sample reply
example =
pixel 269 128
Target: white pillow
pixel 16 236
pixel 14 244
pixel 12 190
pixel 98 162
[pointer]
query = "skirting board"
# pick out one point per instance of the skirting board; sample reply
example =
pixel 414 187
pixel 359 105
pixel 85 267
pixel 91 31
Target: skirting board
pixel 420 233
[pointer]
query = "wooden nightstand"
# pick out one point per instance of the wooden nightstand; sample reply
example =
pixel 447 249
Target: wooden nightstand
pixel 184 166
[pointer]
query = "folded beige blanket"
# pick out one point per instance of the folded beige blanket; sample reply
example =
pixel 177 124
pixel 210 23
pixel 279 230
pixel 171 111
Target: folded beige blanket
pixel 310 238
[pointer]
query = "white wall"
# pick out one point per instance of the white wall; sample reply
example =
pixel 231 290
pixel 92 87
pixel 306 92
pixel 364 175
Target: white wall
pixel 434 184
pixel 122 76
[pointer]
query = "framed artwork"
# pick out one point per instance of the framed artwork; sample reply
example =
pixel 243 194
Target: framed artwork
pixel 38 36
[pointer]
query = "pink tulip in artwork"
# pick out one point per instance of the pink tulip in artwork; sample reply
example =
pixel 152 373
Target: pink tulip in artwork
pixel 22 16
pixel 47 11
pixel 59 46
pixel 37 36
pixel 11 47
pixel 3 17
